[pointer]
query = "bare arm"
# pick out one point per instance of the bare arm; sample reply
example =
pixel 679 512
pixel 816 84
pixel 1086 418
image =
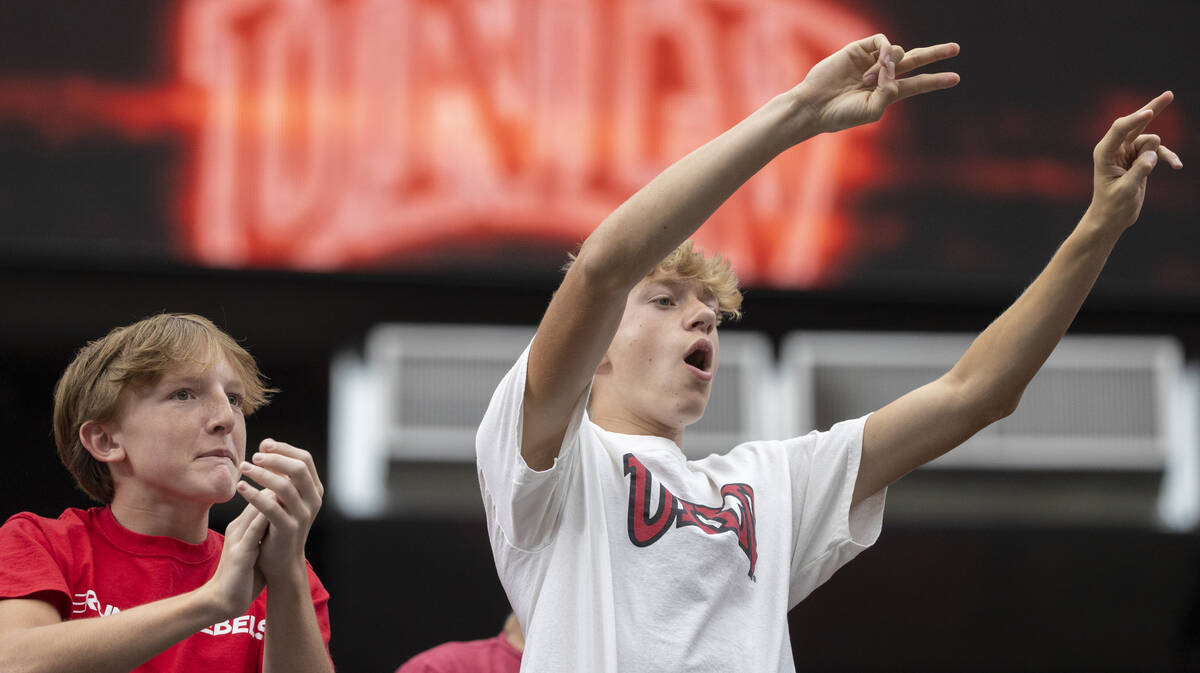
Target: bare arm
pixel 34 638
pixel 987 383
pixel 851 87
pixel 290 501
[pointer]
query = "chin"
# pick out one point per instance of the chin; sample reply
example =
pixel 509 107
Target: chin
pixel 692 414
pixel 218 493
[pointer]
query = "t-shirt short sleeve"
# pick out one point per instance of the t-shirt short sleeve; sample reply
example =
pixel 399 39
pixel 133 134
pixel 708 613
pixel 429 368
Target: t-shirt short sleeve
pixel 320 598
pixel 522 502
pixel 827 531
pixel 30 564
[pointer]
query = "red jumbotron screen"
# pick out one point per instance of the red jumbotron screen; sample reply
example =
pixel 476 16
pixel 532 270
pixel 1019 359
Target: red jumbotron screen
pixel 376 134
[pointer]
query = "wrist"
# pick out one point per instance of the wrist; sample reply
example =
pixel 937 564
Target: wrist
pixel 1096 228
pixel 294 575
pixel 1102 221
pixel 206 603
pixel 796 110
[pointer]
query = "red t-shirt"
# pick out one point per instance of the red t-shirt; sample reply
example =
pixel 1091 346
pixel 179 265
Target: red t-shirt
pixel 86 564
pixel 493 655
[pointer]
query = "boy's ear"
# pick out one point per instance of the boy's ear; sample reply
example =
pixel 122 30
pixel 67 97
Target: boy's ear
pixel 99 441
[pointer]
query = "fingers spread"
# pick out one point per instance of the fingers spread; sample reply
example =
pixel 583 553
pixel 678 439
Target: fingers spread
pixel 919 84
pixel 1128 126
pixel 923 56
pixel 1160 102
pixel 1170 157
pixel 1155 106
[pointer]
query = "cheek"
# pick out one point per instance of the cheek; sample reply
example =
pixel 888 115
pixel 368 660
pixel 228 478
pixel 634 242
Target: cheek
pixel 239 435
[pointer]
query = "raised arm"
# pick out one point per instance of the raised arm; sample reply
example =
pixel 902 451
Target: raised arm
pixel 987 383
pixel 33 637
pixel 851 87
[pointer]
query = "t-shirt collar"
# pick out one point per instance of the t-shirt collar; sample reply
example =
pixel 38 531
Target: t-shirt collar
pixel 154 545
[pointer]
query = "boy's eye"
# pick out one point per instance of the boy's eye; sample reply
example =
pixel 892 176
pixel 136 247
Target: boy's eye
pixel 235 400
pixel 181 395
pixel 662 301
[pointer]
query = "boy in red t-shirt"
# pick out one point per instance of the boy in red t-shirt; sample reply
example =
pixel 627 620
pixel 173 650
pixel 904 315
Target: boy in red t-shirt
pixel 150 420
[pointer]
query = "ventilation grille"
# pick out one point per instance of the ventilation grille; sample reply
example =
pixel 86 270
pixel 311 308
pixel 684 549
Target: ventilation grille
pixel 438 380
pixel 1097 402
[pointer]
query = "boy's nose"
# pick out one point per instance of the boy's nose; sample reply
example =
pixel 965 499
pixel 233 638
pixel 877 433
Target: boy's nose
pixel 703 318
pixel 221 417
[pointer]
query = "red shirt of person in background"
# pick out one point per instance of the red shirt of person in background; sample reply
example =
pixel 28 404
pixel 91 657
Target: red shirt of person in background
pixel 499 654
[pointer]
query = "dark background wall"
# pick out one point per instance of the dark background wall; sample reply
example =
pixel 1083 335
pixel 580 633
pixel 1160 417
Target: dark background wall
pixel 980 595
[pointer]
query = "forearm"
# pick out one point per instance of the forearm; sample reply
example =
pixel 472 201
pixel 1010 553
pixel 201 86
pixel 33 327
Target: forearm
pixel 114 643
pixel 995 370
pixel 293 641
pixel 987 382
pixel 664 213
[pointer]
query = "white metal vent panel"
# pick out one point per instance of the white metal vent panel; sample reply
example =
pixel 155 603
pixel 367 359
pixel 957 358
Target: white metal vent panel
pixel 1098 403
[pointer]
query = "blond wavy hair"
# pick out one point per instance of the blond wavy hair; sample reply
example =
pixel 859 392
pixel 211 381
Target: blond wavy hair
pixel 713 271
pixel 91 387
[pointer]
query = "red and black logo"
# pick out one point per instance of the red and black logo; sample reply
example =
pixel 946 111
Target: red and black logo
pixel 645 528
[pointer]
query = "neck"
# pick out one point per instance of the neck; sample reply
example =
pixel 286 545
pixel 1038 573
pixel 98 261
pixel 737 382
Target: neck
pixel 182 521
pixel 513 633
pixel 616 419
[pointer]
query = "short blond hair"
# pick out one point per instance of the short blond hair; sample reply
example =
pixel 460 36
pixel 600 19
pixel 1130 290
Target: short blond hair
pixel 91 387
pixel 713 271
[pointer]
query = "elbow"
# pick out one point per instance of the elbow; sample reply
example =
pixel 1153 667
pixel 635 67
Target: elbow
pixel 601 269
pixel 996 407
pixel 1004 409
pixel 984 405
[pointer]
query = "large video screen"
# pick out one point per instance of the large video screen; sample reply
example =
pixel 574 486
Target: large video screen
pixel 453 137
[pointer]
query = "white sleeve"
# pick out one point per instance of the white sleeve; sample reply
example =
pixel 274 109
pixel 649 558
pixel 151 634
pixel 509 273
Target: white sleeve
pixel 827 532
pixel 523 503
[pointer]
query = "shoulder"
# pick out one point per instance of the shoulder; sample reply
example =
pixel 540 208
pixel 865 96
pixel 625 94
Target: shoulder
pixel 770 458
pixel 314 582
pixel 70 523
pixel 449 657
pixel 841 436
pixel 754 457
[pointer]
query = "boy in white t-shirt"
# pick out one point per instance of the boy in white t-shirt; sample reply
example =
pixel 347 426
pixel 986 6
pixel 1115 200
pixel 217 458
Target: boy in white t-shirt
pixel 617 553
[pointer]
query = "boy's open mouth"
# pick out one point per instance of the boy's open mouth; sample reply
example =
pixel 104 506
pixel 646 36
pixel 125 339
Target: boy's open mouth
pixel 700 355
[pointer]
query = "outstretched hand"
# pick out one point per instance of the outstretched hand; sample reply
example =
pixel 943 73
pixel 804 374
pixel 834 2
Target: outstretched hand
pixel 1123 160
pixel 854 85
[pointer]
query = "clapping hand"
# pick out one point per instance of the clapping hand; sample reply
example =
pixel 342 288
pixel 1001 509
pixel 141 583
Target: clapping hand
pixel 290 498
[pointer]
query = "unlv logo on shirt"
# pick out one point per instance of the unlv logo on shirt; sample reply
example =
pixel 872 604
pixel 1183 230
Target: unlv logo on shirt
pixel 645 528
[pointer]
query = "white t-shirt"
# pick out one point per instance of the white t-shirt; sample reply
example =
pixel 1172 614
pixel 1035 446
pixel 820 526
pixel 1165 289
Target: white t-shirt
pixel 625 557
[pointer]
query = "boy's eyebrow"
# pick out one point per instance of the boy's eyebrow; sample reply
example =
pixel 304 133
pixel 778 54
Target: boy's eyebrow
pixel 706 293
pixel 193 380
pixel 184 379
